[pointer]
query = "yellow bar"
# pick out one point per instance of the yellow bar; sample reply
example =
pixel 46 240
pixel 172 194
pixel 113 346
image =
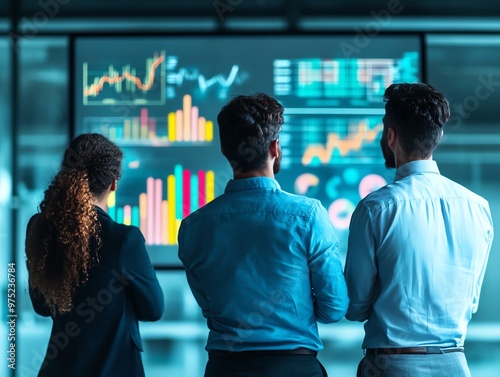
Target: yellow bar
pixel 201 129
pixel 135 128
pixel 186 109
pixel 144 132
pixel 171 126
pixel 126 129
pixel 112 133
pixel 164 221
pixel 178 125
pixel 209 131
pixel 112 199
pixel 210 187
pixel 172 233
pixel 143 213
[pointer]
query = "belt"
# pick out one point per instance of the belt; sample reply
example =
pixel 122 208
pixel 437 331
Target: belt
pixel 260 353
pixel 412 350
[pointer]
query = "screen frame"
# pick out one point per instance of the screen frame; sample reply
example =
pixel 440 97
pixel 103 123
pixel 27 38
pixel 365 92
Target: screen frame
pixel 74 37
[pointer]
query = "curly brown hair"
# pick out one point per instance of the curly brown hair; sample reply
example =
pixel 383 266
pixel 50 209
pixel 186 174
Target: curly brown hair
pixel 63 240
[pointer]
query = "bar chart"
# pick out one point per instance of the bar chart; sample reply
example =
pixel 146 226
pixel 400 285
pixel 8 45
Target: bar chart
pixel 163 204
pixel 181 126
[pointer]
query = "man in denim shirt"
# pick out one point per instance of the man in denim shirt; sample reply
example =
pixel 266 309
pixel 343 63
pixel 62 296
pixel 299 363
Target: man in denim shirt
pixel 262 264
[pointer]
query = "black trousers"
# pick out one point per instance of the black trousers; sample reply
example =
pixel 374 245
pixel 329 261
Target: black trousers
pixel 264 366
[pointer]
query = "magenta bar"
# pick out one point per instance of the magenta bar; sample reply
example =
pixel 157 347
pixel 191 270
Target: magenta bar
pixel 158 211
pixel 202 194
pixel 151 210
pixel 194 123
pixel 186 193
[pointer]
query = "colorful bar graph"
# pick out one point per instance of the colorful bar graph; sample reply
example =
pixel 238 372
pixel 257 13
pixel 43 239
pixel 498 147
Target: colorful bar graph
pixel 165 203
pixel 181 126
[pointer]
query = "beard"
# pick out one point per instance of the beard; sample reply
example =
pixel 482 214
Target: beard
pixel 277 162
pixel 390 160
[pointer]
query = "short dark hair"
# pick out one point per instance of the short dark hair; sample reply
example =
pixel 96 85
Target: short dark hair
pixel 418 113
pixel 247 127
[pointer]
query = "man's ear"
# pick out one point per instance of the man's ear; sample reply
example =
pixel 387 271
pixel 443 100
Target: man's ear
pixel 391 137
pixel 113 186
pixel 273 148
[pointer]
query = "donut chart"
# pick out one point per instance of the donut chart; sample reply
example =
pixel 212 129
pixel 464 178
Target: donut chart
pixel 370 183
pixel 340 212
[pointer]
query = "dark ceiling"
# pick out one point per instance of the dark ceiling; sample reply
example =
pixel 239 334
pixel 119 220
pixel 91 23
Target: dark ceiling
pixel 249 8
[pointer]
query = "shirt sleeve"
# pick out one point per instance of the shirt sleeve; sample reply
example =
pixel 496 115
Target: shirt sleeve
pixel 480 277
pixel 325 268
pixel 142 283
pixel 361 266
pixel 192 279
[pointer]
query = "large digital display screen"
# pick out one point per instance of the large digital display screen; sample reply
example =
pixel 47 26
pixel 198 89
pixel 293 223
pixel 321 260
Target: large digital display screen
pixel 158 99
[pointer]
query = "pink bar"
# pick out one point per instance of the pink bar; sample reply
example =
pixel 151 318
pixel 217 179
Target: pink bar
pixel 144 117
pixel 194 123
pixel 127 214
pixel 186 193
pixel 158 211
pixel 202 194
pixel 164 223
pixel 151 210
pixel 178 125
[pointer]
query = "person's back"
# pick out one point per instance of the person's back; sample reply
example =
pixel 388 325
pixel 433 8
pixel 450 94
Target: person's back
pixel 434 241
pixel 262 264
pixel 417 249
pixel 255 242
pixel 90 274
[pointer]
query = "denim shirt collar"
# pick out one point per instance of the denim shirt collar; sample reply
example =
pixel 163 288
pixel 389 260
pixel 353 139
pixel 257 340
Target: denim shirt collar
pixel 252 184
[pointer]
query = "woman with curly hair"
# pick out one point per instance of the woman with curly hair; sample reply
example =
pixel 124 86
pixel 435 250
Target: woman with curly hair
pixel 92 275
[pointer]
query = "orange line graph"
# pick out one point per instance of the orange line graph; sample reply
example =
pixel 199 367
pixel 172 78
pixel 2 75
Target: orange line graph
pixel 94 89
pixel 354 143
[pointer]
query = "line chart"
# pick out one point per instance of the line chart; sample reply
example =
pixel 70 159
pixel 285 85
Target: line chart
pixel 128 86
pixel 177 77
pixel 352 143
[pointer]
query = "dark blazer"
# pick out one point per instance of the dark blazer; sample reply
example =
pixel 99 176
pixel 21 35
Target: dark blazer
pixel 100 336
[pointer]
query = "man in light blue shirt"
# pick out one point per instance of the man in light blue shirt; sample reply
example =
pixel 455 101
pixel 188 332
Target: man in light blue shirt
pixel 417 249
pixel 262 264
